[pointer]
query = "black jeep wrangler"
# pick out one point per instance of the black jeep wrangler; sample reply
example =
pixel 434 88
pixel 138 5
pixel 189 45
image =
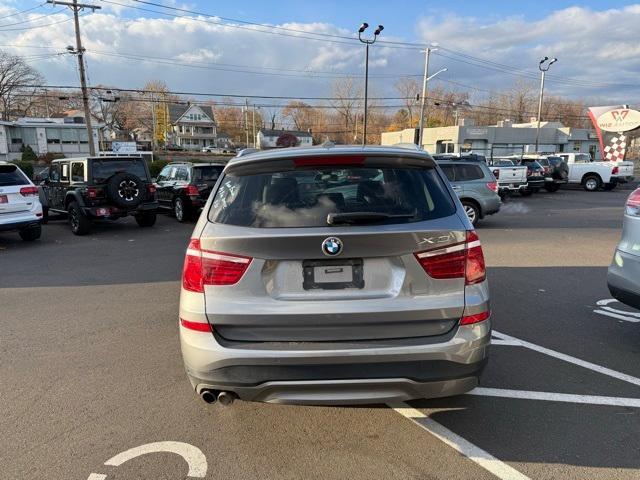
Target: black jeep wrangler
pixel 99 188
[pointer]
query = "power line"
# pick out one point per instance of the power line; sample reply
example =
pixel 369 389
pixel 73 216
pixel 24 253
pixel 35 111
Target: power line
pixel 36 26
pixel 23 11
pixel 32 19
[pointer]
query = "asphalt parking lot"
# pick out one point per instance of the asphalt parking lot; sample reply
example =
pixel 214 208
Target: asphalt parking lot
pixel 91 367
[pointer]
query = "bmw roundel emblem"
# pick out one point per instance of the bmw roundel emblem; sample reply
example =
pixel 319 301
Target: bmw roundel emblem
pixel 332 246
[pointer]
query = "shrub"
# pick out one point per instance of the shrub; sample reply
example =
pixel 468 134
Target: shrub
pixel 28 154
pixel 26 167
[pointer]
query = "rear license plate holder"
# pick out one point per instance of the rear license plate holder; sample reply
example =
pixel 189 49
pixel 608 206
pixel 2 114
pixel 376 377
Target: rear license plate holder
pixel 332 274
pixel 4 199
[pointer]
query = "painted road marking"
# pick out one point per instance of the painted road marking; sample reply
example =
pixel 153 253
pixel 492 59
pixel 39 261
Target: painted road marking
pixel 615 312
pixel 568 358
pixel 466 448
pixel 556 397
pixel 194 457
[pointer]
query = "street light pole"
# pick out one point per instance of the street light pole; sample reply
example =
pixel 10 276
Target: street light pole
pixel 367 42
pixel 425 82
pixel 544 68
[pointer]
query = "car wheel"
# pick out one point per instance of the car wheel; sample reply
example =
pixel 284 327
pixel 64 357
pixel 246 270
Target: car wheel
pixel 180 210
pixel 610 186
pixel 592 183
pixel 80 224
pixel 472 212
pixel 147 219
pixel 552 187
pixel 30 234
pixel 526 192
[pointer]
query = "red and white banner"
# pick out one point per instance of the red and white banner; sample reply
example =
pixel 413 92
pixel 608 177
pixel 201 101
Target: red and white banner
pixel 611 123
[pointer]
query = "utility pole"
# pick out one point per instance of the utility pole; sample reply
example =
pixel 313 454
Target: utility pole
pixel 46 101
pixel 427 54
pixel 79 51
pixel 246 121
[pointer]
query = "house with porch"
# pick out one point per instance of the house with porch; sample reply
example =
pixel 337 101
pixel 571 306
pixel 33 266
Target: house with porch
pixel 191 127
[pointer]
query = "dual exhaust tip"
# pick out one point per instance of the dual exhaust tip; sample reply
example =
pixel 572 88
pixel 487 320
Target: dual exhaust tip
pixel 213 396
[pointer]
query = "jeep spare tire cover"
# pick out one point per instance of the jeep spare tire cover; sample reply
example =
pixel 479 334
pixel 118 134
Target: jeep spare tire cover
pixel 125 190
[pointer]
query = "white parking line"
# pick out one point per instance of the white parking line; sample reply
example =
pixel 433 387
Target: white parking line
pixel 568 358
pixel 466 448
pixel 504 342
pixel 556 397
pixel 626 318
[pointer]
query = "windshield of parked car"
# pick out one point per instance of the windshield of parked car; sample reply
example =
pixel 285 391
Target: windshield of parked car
pixel 10 176
pixel 102 170
pixel 210 173
pixel 305 198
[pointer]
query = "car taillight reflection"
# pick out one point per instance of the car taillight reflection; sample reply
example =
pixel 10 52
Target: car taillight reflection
pixel 493 186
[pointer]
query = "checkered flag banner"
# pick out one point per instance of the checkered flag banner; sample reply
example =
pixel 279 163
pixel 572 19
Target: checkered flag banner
pixel 612 125
pixel 616 150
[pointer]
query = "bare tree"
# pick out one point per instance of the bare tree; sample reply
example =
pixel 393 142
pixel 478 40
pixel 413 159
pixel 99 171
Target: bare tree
pixel 18 84
pixel 409 89
pixel 346 101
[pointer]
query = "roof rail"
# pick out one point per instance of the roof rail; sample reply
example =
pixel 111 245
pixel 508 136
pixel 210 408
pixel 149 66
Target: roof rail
pixel 246 151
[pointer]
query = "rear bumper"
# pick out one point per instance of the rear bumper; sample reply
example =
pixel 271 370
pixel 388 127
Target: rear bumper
pixel 623 278
pixel 622 179
pixel 538 183
pixel 339 375
pixel 116 212
pixel 512 187
pixel 490 205
pixel 20 222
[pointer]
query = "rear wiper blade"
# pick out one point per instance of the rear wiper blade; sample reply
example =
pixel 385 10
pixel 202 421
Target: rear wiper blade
pixel 364 217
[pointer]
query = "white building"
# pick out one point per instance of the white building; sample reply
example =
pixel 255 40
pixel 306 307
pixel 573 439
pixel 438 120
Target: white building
pixel 505 138
pixel 45 135
pixel 192 126
pixel 269 138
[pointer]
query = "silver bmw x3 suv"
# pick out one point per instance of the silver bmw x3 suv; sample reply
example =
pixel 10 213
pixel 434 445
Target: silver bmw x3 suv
pixel 333 275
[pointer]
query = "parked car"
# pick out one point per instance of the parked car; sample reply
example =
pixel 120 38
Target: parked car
pixel 172 147
pixel 218 150
pixel 474 184
pixel 184 187
pixel 535 177
pixel 510 177
pixel 368 288
pixel 106 188
pixel 595 175
pixel 623 277
pixel 556 172
pixel 20 208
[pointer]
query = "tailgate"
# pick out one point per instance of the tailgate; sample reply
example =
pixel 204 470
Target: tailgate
pixel 625 169
pixel 292 292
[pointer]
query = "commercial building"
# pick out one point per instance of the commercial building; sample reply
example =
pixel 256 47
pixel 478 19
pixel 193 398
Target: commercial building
pixel 269 138
pixel 45 135
pixel 504 138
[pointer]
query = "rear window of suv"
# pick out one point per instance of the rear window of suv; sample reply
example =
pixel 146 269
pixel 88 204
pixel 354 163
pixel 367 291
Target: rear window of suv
pixel 103 169
pixel 210 173
pixel 10 176
pixel 306 197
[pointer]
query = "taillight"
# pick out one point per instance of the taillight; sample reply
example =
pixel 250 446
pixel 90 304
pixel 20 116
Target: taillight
pixel 205 267
pixel 493 186
pixel 464 260
pixel 192 190
pixel 496 173
pixel 477 318
pixel 615 171
pixel 633 203
pixel 151 188
pixel 29 191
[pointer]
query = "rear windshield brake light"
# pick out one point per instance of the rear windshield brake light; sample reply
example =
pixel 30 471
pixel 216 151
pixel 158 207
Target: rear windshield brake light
pixel 329 160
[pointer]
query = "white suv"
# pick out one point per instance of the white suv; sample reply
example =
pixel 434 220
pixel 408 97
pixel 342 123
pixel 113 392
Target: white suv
pixel 20 207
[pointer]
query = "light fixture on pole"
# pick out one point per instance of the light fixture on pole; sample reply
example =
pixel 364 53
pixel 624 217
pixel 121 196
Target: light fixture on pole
pixel 543 66
pixel 367 42
pixel 425 81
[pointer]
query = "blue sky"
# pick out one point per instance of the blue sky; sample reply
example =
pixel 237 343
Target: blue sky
pixel 597 63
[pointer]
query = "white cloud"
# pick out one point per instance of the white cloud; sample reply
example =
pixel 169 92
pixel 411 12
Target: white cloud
pixel 596 46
